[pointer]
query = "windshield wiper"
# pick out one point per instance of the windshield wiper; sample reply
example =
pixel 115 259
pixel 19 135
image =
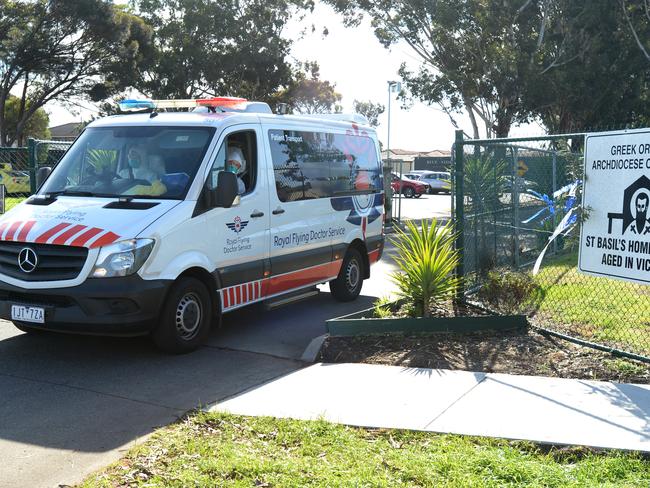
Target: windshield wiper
pixel 70 193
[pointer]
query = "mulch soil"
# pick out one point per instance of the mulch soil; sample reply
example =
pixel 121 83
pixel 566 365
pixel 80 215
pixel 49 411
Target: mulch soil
pixel 517 352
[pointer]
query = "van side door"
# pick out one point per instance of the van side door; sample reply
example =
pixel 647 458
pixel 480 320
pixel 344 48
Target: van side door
pixel 241 233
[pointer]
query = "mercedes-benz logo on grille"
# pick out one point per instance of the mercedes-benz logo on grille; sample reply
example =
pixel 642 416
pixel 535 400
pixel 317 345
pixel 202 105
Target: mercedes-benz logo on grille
pixel 27 259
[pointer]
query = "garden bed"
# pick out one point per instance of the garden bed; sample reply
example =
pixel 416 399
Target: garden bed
pixel 516 352
pixel 394 317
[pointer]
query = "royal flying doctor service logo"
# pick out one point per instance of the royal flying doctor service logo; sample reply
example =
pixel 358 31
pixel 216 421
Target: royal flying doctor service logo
pixel 237 225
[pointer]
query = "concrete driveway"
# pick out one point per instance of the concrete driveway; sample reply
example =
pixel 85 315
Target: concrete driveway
pixel 425 207
pixel 70 405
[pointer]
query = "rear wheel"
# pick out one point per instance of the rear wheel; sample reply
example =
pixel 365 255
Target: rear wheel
pixel 347 286
pixel 409 192
pixel 184 323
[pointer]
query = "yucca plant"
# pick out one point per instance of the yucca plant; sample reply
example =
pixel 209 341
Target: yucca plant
pixel 426 258
pixel 102 158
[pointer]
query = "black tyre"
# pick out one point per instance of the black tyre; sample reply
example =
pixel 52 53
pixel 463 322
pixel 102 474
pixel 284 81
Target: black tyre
pixel 409 192
pixel 21 326
pixel 347 286
pixel 184 323
pixel 418 195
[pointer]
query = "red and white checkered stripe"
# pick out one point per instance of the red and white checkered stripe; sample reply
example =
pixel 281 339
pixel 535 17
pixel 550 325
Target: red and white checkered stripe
pixel 238 295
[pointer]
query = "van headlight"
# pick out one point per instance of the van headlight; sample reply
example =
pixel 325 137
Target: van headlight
pixel 122 258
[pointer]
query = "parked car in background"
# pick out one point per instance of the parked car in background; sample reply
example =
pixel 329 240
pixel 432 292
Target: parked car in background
pixel 438 181
pixel 408 187
pixel 14 181
pixel 415 174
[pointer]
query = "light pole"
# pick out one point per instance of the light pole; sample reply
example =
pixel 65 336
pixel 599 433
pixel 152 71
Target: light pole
pixel 394 87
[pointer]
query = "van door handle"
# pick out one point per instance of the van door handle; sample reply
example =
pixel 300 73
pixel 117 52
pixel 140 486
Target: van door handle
pixel 278 211
pixel 257 214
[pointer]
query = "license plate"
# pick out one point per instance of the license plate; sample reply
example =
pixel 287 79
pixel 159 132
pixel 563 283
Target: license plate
pixel 28 314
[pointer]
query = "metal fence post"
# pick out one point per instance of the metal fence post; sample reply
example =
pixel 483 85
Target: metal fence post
pixel 554 189
pixel 459 216
pixel 399 195
pixel 515 213
pixel 31 163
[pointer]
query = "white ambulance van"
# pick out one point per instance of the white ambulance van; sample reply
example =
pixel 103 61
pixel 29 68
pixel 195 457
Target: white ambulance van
pixel 160 222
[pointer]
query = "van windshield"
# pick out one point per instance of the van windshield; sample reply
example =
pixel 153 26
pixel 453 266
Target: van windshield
pixel 141 162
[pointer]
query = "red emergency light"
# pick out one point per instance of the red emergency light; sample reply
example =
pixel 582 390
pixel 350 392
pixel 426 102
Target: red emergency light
pixel 226 102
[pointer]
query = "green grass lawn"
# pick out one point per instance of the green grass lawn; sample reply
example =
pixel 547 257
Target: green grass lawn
pixel 226 450
pixel 597 308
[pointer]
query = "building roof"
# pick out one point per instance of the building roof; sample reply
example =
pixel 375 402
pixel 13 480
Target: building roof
pixel 66 131
pixel 408 155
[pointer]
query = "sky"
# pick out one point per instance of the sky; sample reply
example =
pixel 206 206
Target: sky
pixel 360 67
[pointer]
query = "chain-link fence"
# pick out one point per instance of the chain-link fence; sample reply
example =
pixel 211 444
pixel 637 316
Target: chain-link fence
pixel 18 167
pixel 14 175
pixel 519 199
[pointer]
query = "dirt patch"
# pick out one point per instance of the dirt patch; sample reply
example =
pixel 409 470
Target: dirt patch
pixel 525 353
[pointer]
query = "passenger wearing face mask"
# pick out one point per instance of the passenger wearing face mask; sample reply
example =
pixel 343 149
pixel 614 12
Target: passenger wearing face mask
pixel 236 163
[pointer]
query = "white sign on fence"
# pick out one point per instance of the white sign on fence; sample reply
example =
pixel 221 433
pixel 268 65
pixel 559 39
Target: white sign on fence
pixel 615 238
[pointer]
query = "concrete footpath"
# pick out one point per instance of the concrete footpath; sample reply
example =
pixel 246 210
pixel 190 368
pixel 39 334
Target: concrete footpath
pixel 547 410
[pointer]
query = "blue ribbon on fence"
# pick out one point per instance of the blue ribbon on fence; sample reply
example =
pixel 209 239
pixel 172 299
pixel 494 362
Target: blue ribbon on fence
pixel 567 223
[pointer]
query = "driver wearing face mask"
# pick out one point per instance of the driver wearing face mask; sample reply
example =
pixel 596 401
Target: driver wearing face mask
pixel 138 166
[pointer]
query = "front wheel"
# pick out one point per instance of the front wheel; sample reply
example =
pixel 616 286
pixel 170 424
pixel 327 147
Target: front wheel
pixel 184 323
pixel 418 195
pixel 409 192
pixel 347 285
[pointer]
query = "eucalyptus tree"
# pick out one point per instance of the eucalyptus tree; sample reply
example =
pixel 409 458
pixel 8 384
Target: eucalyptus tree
pixel 307 93
pixel 227 47
pixel 475 54
pixel 371 110
pixel 65 49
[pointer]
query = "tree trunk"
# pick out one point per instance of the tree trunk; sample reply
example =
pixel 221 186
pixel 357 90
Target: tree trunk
pixel 503 126
pixel 3 127
pixel 472 117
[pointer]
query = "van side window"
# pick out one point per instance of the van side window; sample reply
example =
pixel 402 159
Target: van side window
pixel 310 165
pixel 238 154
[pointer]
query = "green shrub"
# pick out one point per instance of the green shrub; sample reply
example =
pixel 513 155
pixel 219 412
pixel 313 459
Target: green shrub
pixel 426 258
pixel 508 291
pixel 381 308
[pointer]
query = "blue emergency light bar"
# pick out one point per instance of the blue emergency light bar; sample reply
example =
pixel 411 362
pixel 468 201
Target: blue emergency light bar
pixel 136 105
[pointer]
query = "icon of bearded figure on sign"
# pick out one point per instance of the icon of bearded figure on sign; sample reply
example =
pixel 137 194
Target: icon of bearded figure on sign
pixel 641 224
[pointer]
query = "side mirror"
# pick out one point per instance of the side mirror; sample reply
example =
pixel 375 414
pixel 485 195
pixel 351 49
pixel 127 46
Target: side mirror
pixel 41 175
pixel 227 191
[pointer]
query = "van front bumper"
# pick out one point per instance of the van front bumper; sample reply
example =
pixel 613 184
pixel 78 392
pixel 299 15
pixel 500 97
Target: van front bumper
pixel 125 306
